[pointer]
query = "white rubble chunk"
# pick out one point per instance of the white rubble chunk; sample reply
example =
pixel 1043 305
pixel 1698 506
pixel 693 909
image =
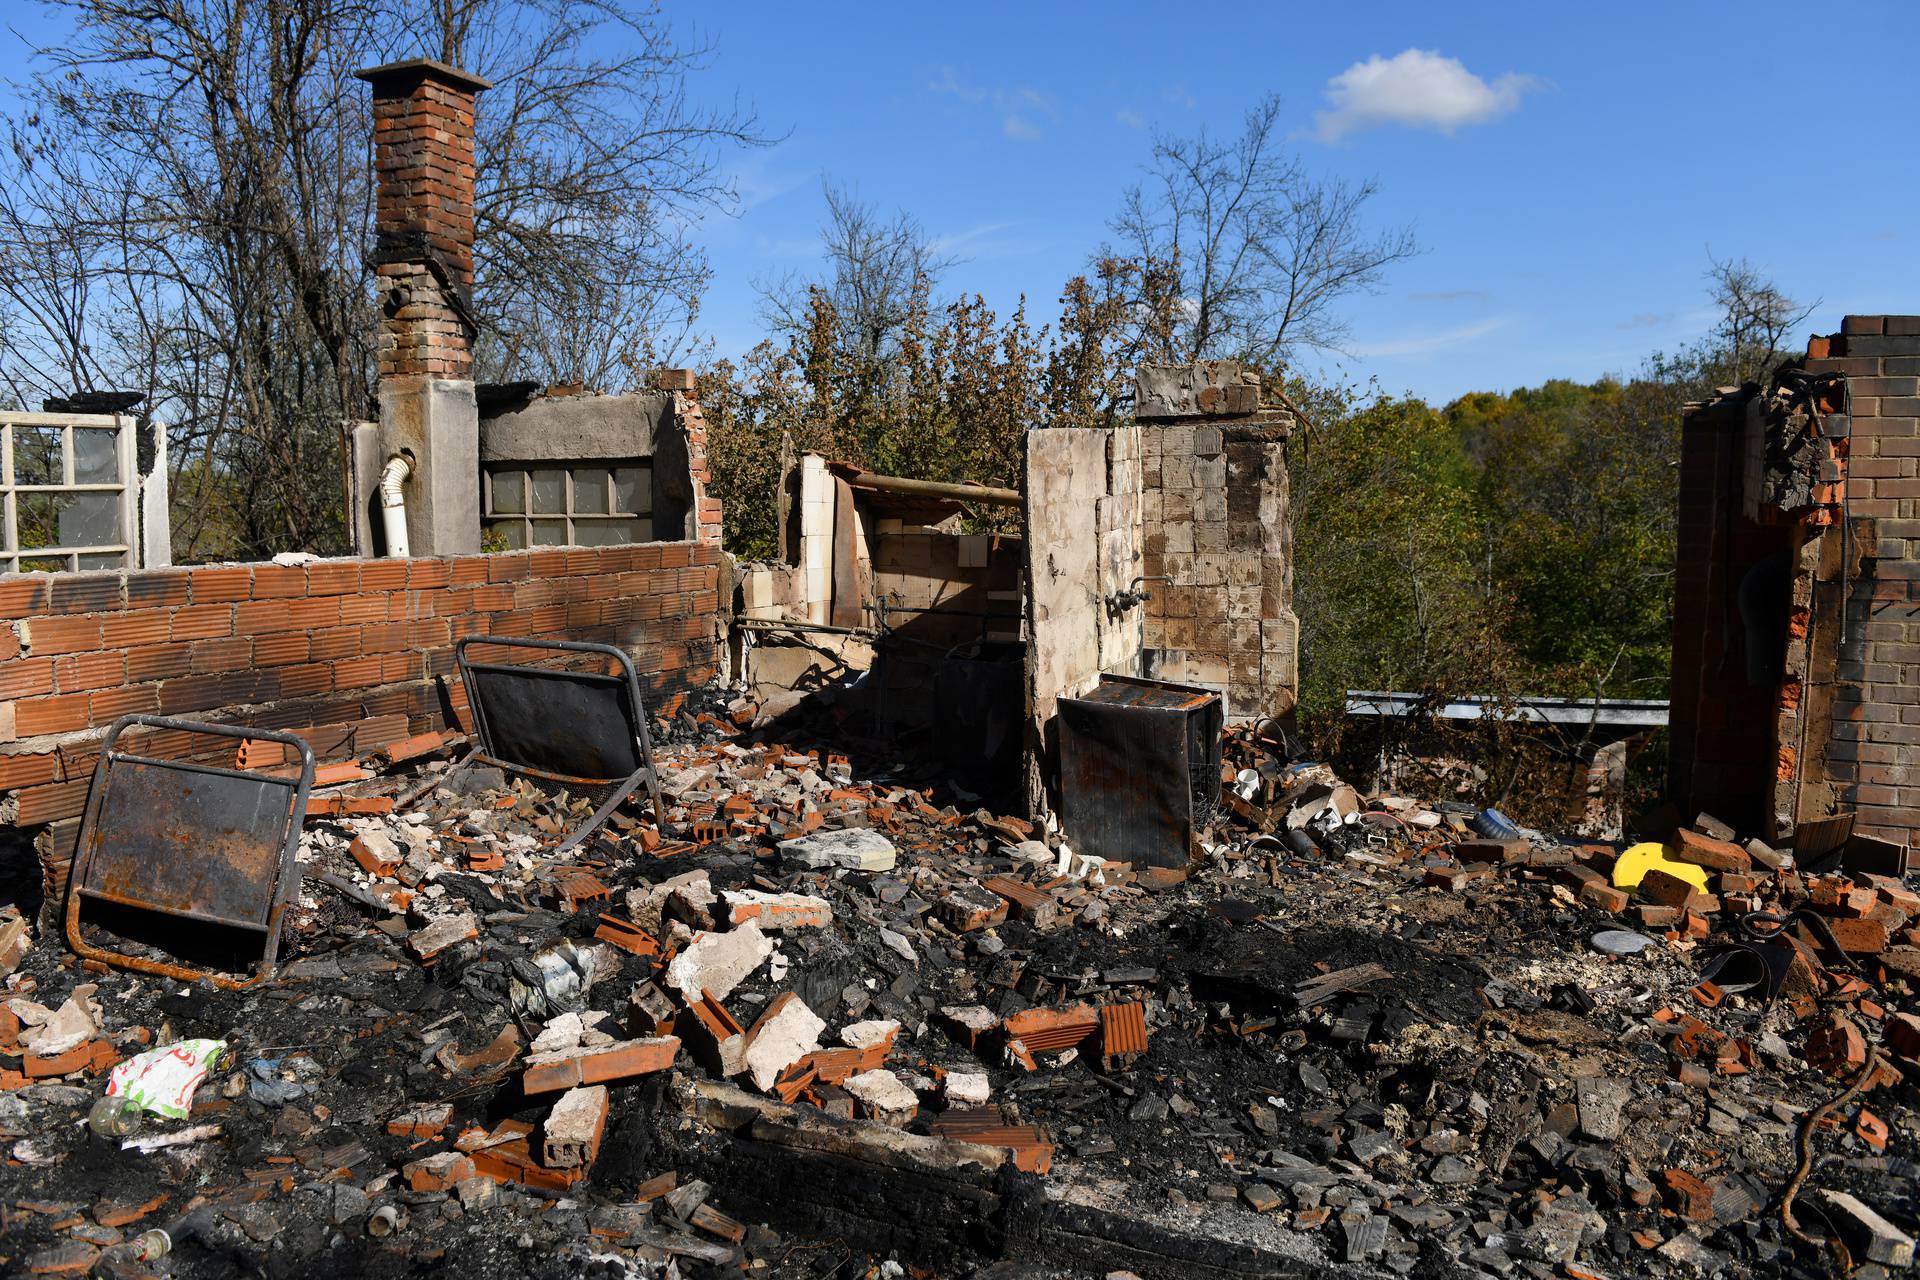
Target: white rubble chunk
pixel 564 1032
pixel 1885 1243
pixel 54 1031
pixel 443 933
pixel 716 963
pixel 777 910
pixel 854 849
pixel 967 1088
pixel 647 903
pixel 787 1032
pixel 884 1094
pixel 865 1035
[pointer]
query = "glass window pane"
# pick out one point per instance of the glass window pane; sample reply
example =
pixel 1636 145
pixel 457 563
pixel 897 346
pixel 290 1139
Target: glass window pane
pixel 550 533
pixel 93 520
pixel 609 533
pixel 590 491
pixel 509 490
pixel 45 564
pixel 104 560
pixel 93 456
pixel 36 455
pixel 633 490
pixel 512 532
pixel 39 519
pixel 549 492
pixel 69 520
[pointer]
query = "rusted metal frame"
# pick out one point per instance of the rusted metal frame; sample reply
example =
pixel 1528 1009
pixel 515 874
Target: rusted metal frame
pixel 625 787
pixel 285 878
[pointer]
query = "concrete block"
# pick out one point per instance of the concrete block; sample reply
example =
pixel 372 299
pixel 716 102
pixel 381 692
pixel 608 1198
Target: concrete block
pixel 438 422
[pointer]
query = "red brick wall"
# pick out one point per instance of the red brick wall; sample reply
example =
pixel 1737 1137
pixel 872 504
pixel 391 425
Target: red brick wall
pixel 1873 752
pixel 1843 732
pixel 351 653
pixel 1721 729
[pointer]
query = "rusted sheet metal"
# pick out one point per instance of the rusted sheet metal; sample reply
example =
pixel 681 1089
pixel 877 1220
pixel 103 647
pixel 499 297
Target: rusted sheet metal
pixel 577 728
pixel 194 841
pixel 1139 769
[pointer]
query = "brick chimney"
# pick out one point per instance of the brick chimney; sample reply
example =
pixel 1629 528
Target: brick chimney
pixel 423 114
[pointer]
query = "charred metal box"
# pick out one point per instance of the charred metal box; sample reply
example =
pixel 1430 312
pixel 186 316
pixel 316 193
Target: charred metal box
pixel 1139 769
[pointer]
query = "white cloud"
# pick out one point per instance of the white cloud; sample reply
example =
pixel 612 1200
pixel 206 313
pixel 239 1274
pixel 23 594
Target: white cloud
pixel 1016 106
pixel 1417 88
pixel 1430 343
pixel 1131 119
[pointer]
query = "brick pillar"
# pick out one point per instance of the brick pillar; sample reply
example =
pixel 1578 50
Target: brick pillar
pixel 423 113
pixel 423 220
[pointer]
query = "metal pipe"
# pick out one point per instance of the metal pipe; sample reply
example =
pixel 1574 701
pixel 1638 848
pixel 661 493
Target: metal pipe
pixel 780 624
pixel 934 489
pixel 393 505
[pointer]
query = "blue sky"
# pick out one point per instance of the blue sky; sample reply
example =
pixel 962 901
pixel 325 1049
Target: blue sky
pixel 1567 168
pixel 1567 178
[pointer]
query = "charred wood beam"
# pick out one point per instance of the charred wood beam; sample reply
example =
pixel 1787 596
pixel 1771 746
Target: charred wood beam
pixel 924 1198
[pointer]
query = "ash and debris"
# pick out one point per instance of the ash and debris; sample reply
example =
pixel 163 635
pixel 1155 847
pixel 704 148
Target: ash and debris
pixel 1375 1043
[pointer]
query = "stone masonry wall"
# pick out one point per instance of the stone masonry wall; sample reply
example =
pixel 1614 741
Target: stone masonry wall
pixel 350 653
pixel 1214 510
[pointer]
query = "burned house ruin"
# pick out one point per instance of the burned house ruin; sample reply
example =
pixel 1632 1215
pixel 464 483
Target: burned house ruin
pixel 540 890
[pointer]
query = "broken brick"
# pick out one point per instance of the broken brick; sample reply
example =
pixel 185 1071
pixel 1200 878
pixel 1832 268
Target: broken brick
pixel 968 910
pixel 622 1060
pixel 1686 1195
pixel 437 1172
pixel 1036 906
pixel 1837 1047
pixel 626 935
pixel 777 910
pixel 1667 890
pixel 1705 851
pixel 1123 1035
pixel 375 852
pixel 570 1136
pixel 422 1122
pixel 447 931
pixel 1052 1030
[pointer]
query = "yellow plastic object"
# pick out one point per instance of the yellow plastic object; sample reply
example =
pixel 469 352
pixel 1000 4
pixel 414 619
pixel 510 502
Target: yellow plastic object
pixel 1633 865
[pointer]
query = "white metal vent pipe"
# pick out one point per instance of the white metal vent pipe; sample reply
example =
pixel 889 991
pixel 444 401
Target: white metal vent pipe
pixel 393 504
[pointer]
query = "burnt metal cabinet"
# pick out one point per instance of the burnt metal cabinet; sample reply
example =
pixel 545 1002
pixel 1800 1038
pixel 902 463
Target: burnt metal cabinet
pixel 1139 769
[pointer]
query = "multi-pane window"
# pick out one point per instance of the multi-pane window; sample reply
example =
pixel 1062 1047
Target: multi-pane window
pixel 598 505
pixel 66 482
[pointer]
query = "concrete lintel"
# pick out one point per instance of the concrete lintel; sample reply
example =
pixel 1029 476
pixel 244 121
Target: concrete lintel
pixel 407 70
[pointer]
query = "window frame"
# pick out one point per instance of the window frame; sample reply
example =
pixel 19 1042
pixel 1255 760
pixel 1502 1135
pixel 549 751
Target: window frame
pixel 125 486
pixel 526 517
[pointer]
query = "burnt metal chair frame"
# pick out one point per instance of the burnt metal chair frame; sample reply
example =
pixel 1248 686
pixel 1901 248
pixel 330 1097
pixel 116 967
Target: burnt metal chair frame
pixel 487 750
pixel 206 807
